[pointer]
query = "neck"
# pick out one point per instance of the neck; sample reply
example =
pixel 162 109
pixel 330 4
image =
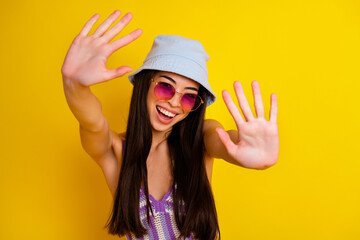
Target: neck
pixel 159 137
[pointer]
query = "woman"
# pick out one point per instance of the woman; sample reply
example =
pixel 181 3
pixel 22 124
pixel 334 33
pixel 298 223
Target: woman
pixel 159 170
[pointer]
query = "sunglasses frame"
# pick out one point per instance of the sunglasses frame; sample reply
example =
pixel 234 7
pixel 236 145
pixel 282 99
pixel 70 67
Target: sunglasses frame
pixel 182 94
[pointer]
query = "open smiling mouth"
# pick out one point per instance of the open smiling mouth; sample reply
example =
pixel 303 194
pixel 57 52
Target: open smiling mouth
pixel 164 113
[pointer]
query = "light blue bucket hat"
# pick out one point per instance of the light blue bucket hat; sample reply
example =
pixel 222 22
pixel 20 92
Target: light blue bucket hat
pixel 177 54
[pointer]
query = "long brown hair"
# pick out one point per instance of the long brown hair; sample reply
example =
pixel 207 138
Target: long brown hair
pixel 188 168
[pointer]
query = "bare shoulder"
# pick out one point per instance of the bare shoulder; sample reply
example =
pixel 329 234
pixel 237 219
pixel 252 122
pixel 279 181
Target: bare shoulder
pixel 111 164
pixel 210 136
pixel 209 129
pixel 117 145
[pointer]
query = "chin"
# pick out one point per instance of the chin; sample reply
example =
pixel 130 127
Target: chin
pixel 159 129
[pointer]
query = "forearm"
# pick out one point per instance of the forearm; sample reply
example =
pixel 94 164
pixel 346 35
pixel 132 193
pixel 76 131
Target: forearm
pixel 84 105
pixel 217 149
pixel 214 147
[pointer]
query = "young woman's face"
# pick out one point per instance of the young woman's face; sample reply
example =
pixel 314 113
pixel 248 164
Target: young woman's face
pixel 166 113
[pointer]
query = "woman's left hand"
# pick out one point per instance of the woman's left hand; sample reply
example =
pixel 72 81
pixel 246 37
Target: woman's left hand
pixel 258 139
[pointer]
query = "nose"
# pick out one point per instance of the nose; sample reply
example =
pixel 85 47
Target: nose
pixel 175 101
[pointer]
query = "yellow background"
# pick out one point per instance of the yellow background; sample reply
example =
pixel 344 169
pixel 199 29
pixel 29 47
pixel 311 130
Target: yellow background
pixel 307 52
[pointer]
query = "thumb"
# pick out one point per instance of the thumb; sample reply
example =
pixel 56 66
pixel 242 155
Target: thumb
pixel 226 140
pixel 118 72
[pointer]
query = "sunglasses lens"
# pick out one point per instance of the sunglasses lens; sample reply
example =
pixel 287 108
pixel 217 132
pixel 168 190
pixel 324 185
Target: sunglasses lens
pixel 164 91
pixel 190 101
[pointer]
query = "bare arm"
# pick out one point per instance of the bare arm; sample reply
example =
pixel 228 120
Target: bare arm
pixel 84 66
pixel 214 147
pixel 84 105
pixel 93 126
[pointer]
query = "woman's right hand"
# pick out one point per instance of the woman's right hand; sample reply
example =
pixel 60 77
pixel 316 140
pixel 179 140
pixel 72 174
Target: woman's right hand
pixel 85 61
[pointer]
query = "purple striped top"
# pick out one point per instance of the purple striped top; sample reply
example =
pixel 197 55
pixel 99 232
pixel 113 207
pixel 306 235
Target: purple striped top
pixel 163 221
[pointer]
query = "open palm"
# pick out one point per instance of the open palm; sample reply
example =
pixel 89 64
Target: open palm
pixel 85 61
pixel 258 139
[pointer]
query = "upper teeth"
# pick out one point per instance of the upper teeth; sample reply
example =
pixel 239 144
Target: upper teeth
pixel 167 113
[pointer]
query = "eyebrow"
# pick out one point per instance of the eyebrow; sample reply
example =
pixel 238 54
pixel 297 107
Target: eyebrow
pixel 172 80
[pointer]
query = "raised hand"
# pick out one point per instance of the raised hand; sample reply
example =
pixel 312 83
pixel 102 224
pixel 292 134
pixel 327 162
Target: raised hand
pixel 85 61
pixel 258 139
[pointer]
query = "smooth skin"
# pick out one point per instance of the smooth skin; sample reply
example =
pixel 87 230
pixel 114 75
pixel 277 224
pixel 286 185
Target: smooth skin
pixel 255 143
